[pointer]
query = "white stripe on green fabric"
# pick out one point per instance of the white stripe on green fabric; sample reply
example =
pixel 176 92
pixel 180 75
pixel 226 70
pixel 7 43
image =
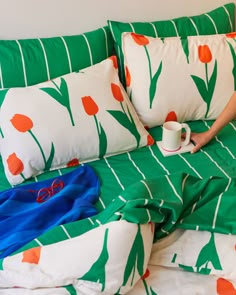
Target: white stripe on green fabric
pixel 90 220
pixel 154 29
pixel 132 28
pixel 165 231
pixel 101 201
pixel 122 199
pixel 106 43
pixel 215 163
pixel 113 172
pixel 89 49
pixel 23 62
pixel 195 204
pixel 65 231
pixel 177 34
pixel 98 222
pixel 67 53
pixel 162 202
pixel 148 189
pixel 134 164
pixel 173 188
pixel 234 127
pixel 218 204
pixel 214 25
pixel 231 25
pixel 35 179
pixel 194 25
pixel 112 33
pixel 38 242
pixel 59 172
pixel 225 147
pixel 184 180
pixel 181 156
pixel 122 73
pixel 149 216
pixel 157 160
pixel 1 78
pixel 221 143
pixel 45 59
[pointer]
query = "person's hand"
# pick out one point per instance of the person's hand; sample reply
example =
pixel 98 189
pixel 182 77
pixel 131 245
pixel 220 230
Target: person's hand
pixel 199 139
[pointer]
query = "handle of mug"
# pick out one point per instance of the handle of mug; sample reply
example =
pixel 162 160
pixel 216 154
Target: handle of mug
pixel 188 133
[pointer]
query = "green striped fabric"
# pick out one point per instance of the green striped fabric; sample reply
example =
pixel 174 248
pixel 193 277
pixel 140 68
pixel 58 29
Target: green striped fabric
pixel 218 21
pixel 146 186
pixel 30 61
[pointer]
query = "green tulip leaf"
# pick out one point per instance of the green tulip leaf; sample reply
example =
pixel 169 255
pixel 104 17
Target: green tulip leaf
pixel 153 84
pixel 102 142
pixel 61 95
pixel 201 86
pixel 50 158
pixel 126 123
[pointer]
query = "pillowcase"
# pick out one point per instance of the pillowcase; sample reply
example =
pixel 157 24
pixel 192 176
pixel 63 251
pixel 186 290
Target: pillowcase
pixel 218 21
pixel 30 61
pixel 76 118
pixel 180 79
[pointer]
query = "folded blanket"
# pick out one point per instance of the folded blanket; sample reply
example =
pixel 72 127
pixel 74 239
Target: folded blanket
pixel 29 210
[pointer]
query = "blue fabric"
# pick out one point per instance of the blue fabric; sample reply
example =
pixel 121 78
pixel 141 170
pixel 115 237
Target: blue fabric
pixel 24 214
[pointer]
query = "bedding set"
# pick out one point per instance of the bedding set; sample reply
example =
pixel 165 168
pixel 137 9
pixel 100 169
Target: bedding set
pixel 88 202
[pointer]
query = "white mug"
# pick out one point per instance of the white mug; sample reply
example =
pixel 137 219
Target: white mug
pixel 171 135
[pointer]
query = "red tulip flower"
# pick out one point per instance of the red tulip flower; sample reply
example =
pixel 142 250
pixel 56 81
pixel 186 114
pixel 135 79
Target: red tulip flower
pixel 21 122
pixel 140 39
pixel 15 165
pixel 204 54
pixel 116 91
pixel 90 106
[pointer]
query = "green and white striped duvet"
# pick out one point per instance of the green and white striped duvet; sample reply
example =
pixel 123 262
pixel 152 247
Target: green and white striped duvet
pixel 190 194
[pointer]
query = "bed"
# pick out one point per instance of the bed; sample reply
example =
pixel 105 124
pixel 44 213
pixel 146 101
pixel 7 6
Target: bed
pixel 89 202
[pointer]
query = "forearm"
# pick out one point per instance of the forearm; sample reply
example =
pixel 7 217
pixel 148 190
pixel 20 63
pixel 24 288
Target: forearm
pixel 227 115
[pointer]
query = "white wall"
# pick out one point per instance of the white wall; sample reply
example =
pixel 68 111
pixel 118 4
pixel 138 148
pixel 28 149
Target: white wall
pixel 44 18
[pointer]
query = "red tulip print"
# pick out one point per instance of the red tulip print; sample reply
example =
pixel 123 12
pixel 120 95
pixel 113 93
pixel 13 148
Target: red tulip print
pixel 144 41
pixel 114 60
pixel 150 140
pixel 146 275
pixel 15 165
pixel 206 86
pixel 225 287
pixel 146 287
pixel 204 54
pixel 91 109
pixel 171 116
pixel 231 35
pixel 32 256
pixel 90 106
pixel 116 91
pixel 73 162
pixel 23 123
pixel 140 39
pixel 127 77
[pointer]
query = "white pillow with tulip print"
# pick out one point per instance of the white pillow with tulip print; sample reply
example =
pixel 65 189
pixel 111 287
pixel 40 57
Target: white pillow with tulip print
pixel 72 119
pixel 182 79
